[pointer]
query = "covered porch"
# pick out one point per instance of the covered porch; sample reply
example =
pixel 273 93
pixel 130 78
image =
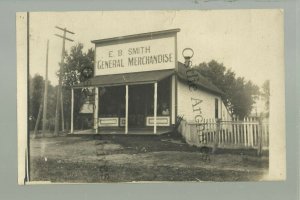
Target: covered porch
pixel 133 103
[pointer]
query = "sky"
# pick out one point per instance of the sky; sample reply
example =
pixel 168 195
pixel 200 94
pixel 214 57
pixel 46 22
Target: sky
pixel 250 42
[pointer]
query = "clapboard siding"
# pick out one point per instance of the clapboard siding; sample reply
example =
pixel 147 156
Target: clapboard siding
pixel 185 108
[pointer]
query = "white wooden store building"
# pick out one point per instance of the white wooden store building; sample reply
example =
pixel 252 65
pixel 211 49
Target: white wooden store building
pixel 140 87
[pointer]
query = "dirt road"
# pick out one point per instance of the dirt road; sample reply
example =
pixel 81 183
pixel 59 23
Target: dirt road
pixel 120 158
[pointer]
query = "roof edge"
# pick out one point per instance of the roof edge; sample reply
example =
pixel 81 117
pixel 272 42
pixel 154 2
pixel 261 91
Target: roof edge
pixel 81 84
pixel 201 87
pixel 136 35
pixel 215 90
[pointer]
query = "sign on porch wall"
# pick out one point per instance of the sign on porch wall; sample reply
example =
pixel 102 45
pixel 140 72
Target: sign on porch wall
pixel 160 121
pixel 108 122
pixel 135 56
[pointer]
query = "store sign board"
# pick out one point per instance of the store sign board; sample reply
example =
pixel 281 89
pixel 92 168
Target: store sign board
pixel 135 56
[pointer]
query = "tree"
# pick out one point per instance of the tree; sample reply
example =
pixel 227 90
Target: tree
pixel 36 87
pixel 36 92
pixel 265 94
pixel 238 95
pixel 75 62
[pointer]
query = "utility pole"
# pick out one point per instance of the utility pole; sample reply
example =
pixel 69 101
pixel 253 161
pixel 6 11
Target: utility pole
pixel 38 121
pixel 45 93
pixel 58 96
pixel 62 111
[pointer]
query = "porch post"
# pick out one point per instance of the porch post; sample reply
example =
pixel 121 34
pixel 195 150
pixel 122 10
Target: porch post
pixel 172 100
pixel 72 109
pixel 96 110
pixel 126 110
pixel 155 105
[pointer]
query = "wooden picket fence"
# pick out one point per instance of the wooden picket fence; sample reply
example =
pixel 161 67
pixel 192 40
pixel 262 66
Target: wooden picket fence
pixel 250 133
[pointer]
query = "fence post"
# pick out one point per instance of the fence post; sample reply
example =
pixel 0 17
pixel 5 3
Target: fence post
pixel 188 133
pixel 216 136
pixel 259 137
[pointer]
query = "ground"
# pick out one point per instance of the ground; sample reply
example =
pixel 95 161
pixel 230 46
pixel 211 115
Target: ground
pixel 126 158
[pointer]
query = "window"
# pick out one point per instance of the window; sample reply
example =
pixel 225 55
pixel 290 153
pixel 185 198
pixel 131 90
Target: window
pixel 216 108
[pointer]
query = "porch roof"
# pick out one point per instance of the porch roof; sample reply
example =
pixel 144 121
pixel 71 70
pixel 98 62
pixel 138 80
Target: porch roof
pixel 127 78
pixel 150 77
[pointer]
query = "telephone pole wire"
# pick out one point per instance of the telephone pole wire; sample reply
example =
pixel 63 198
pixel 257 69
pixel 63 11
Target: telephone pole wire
pixel 58 96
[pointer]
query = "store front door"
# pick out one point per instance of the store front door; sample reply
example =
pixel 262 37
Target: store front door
pixel 140 105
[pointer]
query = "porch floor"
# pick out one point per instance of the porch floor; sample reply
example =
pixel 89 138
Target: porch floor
pixel 121 131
